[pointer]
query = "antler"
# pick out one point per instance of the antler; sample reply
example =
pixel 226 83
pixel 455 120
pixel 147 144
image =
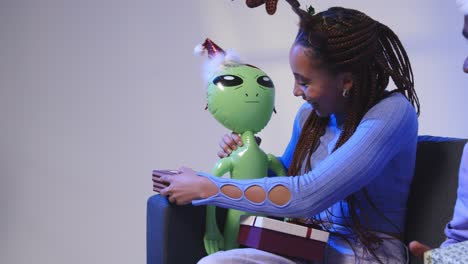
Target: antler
pixel 295 5
pixel 271 6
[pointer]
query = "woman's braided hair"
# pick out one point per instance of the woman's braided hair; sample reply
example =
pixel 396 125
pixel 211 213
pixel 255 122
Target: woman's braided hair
pixel 346 40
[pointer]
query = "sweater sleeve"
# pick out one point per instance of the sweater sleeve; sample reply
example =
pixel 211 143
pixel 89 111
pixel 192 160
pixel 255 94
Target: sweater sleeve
pixel 377 139
pixel 457 229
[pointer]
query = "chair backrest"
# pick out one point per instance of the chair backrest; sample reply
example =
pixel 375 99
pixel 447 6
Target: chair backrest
pixel 433 190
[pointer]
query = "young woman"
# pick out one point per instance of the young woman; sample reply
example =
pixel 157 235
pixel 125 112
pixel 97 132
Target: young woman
pixel 351 157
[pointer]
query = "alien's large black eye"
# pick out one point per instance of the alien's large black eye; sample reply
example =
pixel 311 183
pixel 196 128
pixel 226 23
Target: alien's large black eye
pixel 227 81
pixel 265 81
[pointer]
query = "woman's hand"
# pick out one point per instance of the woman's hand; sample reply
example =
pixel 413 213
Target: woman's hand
pixel 182 186
pixel 228 144
pixel 418 249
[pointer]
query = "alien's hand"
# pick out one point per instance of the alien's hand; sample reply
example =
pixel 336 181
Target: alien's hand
pixel 269 4
pixel 214 241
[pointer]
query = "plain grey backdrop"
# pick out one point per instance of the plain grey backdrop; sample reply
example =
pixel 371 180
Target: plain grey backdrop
pixel 94 94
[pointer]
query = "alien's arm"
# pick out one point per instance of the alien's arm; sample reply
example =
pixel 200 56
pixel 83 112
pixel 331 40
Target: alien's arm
pixel 275 165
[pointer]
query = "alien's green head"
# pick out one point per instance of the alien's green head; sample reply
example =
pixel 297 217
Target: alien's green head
pixel 241 97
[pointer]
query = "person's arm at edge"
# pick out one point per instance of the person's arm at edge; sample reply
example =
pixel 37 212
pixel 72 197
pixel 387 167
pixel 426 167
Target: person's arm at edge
pixel 457 229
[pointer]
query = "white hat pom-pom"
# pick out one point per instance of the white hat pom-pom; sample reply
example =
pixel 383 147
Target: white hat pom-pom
pixel 199 50
pixel 231 56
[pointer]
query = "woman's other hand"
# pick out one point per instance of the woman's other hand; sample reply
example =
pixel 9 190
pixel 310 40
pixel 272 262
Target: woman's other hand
pixel 228 144
pixel 182 187
pixel 418 249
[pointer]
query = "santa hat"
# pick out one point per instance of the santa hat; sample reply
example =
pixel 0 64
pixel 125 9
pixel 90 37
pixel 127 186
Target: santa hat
pixel 209 47
pixel 218 58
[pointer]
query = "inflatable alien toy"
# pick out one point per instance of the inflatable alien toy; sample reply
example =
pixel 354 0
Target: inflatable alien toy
pixel 241 97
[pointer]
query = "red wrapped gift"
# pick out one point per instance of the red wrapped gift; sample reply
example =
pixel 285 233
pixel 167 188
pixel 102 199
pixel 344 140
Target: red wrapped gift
pixel 282 238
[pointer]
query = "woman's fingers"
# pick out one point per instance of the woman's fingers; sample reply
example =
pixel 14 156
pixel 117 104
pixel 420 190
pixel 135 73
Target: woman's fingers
pixel 229 143
pixel 237 139
pixel 175 199
pixel 158 186
pixel 225 150
pixel 172 199
pixel 418 249
pixel 156 178
pixel 163 176
pixel 166 191
pixel 166 172
pixel 222 154
pixel 178 186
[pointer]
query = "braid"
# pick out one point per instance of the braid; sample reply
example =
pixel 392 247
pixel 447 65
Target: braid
pixel 314 128
pixel 346 40
pixel 395 63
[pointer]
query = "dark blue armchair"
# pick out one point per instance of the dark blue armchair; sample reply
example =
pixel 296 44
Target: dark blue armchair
pixel 175 233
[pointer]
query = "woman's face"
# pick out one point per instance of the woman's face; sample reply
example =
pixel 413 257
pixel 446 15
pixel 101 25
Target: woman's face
pixel 323 90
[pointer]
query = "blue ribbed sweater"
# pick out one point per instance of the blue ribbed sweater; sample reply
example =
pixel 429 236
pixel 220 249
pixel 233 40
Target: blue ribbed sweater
pixel 379 156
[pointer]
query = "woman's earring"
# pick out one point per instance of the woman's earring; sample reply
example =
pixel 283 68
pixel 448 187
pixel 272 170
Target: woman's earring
pixel 345 93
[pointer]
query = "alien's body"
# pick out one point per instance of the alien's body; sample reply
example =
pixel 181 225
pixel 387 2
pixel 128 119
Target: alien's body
pixel 240 97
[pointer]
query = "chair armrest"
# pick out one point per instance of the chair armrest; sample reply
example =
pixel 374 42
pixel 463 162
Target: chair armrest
pixel 433 190
pixel 174 234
